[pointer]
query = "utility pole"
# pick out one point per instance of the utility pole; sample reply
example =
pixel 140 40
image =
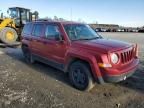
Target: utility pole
pixel 1 14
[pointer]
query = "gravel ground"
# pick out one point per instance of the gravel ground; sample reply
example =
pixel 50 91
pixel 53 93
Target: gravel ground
pixel 25 85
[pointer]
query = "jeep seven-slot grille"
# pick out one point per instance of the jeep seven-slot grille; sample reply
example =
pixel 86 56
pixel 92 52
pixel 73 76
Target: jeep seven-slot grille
pixel 127 56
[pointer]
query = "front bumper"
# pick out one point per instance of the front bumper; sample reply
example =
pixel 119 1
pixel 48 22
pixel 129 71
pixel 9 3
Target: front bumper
pixel 121 73
pixel 118 78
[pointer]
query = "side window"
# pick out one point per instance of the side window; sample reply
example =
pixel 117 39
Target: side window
pixel 37 30
pixel 52 31
pixel 27 29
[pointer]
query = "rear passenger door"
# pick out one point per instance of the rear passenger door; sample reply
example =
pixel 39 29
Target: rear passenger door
pixel 36 44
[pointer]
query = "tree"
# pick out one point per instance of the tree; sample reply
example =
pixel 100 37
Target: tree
pixel 81 21
pixel 48 18
pixel 55 18
pixel 62 19
pixel 36 14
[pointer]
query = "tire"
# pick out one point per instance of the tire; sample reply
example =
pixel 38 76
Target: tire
pixel 27 54
pixel 80 76
pixel 8 35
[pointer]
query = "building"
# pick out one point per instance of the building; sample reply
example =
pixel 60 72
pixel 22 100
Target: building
pixel 108 27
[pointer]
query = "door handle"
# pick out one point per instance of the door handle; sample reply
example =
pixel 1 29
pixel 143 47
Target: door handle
pixel 36 40
pixel 44 42
pixel 28 39
pixel 57 45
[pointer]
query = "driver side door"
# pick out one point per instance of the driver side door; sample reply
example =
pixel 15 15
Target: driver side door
pixel 54 49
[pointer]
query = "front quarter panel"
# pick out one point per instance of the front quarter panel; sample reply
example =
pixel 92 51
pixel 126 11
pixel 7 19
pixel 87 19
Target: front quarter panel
pixel 85 56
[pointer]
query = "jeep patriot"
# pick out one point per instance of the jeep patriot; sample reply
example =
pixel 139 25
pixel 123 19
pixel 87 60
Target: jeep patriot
pixel 78 50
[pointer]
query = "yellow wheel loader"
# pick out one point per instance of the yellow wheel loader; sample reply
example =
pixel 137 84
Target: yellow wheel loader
pixel 10 28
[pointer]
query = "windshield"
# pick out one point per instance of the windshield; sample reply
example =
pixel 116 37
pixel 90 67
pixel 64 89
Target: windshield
pixel 80 32
pixel 19 15
pixel 13 12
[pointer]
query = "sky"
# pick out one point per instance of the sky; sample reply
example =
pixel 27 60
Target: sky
pixel 129 13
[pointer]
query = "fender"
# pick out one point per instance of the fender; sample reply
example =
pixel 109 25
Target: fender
pixel 26 43
pixel 85 56
pixel 7 22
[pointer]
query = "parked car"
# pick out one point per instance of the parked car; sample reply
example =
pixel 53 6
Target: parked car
pixel 98 29
pixel 141 30
pixel 120 30
pixel 78 50
pixel 103 30
pixel 135 30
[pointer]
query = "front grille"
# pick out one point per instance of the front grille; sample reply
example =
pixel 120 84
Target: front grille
pixel 127 56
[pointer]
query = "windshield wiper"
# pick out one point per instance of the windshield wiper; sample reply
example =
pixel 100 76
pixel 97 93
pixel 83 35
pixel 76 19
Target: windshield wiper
pixel 90 38
pixel 87 38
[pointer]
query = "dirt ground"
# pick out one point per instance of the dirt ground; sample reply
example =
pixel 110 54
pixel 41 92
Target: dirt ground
pixel 37 85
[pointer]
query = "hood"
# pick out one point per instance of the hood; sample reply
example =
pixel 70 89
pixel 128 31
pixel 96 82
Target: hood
pixel 102 45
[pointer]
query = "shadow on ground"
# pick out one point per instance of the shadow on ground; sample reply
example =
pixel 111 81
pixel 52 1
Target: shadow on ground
pixel 136 82
pixel 40 67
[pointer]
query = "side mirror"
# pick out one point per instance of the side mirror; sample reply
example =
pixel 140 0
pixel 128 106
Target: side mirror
pixel 58 38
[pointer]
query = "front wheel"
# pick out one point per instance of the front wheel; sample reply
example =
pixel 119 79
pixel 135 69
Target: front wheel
pixel 80 76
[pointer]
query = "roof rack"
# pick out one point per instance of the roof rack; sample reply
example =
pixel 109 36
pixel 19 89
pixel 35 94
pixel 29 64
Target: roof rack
pixel 49 20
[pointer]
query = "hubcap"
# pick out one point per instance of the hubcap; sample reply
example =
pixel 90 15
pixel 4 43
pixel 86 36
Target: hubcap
pixel 79 77
pixel 10 36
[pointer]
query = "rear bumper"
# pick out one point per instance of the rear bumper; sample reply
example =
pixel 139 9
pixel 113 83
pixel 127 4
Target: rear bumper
pixel 118 78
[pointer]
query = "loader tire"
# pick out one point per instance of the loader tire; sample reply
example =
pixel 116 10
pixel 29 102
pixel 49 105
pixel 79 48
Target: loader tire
pixel 8 35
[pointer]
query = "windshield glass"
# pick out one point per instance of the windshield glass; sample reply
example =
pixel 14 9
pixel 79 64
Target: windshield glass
pixel 13 13
pixel 80 32
pixel 19 15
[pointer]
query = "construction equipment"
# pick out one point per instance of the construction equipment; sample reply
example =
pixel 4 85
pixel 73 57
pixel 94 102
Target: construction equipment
pixel 10 28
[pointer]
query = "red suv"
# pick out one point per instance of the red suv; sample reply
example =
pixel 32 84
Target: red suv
pixel 77 49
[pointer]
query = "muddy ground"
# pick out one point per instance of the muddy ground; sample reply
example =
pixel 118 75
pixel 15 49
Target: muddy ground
pixel 37 85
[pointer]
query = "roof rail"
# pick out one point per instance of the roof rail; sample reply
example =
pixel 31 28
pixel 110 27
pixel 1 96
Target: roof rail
pixel 49 20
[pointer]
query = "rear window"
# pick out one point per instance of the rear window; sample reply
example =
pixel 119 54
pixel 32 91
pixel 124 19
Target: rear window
pixel 27 29
pixel 37 30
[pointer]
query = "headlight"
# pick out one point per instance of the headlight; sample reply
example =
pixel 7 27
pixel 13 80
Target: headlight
pixel 114 58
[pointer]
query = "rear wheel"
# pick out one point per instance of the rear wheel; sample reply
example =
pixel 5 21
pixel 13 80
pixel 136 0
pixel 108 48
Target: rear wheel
pixel 8 35
pixel 80 76
pixel 27 54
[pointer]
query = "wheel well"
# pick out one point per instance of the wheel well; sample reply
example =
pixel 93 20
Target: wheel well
pixel 24 45
pixel 12 28
pixel 72 60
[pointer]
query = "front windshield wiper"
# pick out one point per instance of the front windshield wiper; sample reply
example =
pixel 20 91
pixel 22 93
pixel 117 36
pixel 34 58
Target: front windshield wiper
pixel 89 38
